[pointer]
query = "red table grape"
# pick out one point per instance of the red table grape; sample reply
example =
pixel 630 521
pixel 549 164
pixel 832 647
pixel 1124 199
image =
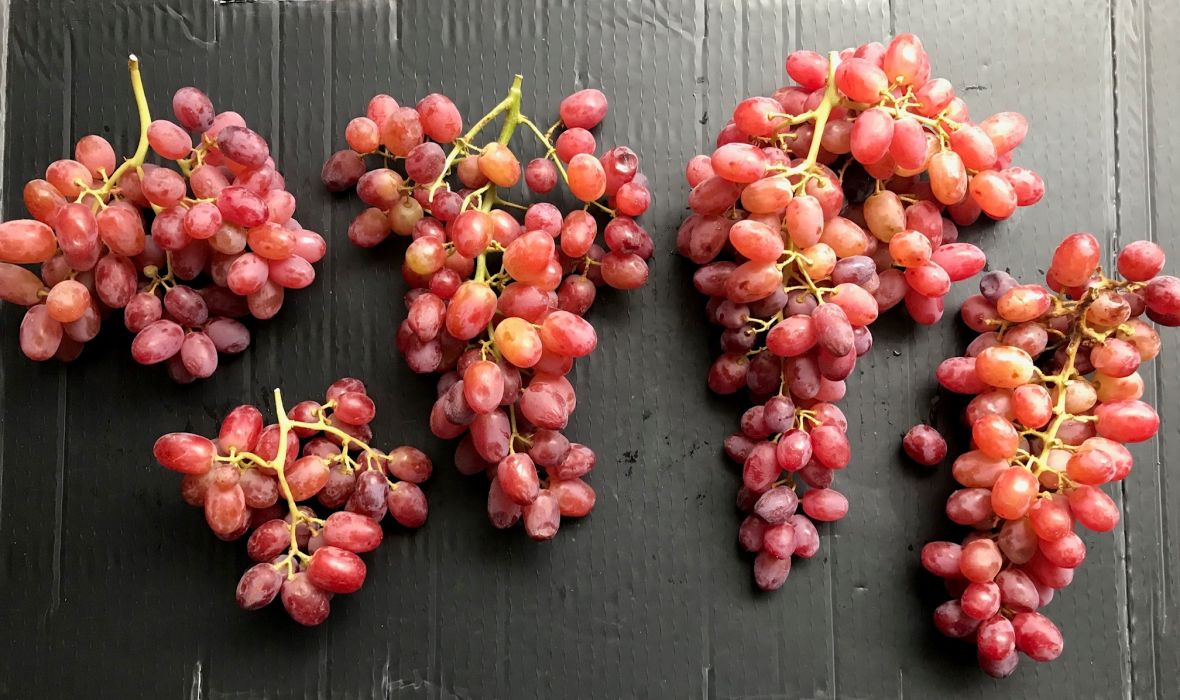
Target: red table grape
pixel 503 337
pixel 822 206
pixel 226 250
pixel 260 480
pixel 925 445
pixel 1056 376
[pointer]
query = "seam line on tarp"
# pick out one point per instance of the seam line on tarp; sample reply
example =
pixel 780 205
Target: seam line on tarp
pixel 276 95
pixel 798 39
pixel 1165 579
pixel 1114 90
pixel 1128 657
pixel 4 12
pixel 186 28
pixel 196 689
pixel 701 58
pixel 59 492
pixel 329 209
pixel 63 435
pixel 260 2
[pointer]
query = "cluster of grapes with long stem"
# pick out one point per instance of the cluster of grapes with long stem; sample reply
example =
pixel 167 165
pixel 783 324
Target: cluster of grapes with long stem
pixel 254 478
pixel 221 243
pixel 502 337
pixel 1057 395
pixel 822 206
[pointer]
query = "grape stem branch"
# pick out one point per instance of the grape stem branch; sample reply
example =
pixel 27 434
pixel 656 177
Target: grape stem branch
pixel 1079 331
pixel 145 120
pixel 250 460
pixel 510 104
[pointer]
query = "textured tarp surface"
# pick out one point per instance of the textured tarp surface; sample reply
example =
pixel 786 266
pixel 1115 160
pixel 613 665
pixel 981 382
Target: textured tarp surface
pixel 113 588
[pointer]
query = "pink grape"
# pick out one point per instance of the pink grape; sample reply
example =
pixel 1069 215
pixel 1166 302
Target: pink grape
pixel 583 109
pixel 157 342
pixel 925 445
pixel 169 140
pixel 96 153
pixel 193 109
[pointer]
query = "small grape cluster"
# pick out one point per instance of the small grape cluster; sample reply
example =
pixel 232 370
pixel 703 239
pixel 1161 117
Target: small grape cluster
pixel 503 339
pixel 1054 374
pixel 821 207
pixel 234 233
pixel 253 477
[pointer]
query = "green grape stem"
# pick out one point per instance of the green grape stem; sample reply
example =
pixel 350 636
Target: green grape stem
pixel 250 460
pixel 510 104
pixel 1079 331
pixel 145 120
pixel 98 197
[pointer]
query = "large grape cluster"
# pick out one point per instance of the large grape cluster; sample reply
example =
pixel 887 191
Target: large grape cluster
pixel 822 206
pixel 182 254
pixel 503 336
pixel 1057 394
pixel 261 479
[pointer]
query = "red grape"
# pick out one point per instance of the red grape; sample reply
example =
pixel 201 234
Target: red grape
pixel 522 320
pixel 108 262
pixel 1056 375
pixel 242 482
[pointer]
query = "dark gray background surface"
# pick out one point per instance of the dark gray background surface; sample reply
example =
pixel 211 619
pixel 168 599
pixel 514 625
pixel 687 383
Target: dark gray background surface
pixel 113 587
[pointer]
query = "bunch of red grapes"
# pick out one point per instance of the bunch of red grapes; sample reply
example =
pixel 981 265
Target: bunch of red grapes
pixel 221 243
pixel 503 336
pixel 1057 395
pixel 253 477
pixel 822 206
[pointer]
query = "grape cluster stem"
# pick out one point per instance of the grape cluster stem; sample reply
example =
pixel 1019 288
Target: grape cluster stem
pixel 97 198
pixel 250 460
pixel 1080 331
pixel 141 149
